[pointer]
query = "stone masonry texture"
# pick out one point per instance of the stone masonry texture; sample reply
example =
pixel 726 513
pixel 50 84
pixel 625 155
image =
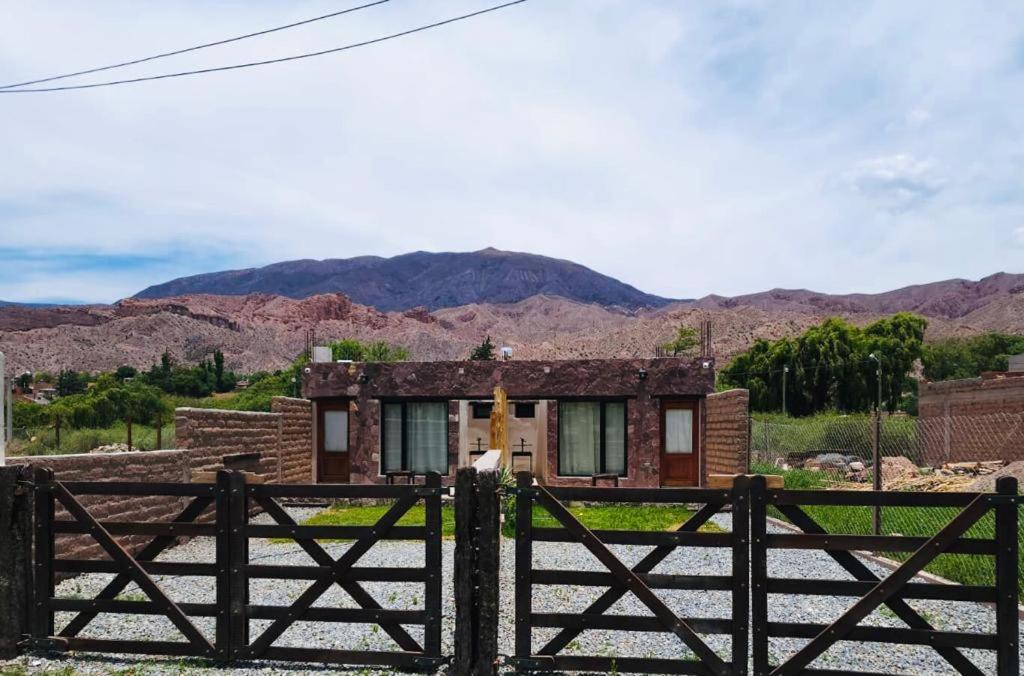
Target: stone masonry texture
pixel 204 437
pixel 972 419
pixel 727 423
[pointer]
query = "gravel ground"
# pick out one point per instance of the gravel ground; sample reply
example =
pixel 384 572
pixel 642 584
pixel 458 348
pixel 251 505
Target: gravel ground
pixel 808 564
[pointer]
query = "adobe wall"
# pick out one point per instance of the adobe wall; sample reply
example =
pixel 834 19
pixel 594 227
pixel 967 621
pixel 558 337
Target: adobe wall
pixel 727 425
pixel 971 419
pixel 204 438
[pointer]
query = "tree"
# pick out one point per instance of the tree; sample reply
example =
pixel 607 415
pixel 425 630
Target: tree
pixel 484 351
pixel 24 380
pixel 354 350
pixel 829 366
pixel 686 341
pixel 124 372
pixel 70 382
pixel 955 358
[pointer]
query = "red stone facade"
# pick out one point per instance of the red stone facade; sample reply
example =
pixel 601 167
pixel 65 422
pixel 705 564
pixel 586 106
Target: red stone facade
pixel 972 419
pixel 642 383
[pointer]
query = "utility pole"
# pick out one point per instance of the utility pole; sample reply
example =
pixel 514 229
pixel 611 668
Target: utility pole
pixel 4 395
pixel 785 370
pixel 876 446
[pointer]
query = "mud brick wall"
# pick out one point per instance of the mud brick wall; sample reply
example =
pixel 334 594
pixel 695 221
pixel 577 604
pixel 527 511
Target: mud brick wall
pixel 283 438
pixel 296 443
pixel 972 419
pixel 211 434
pixel 727 427
pixel 149 466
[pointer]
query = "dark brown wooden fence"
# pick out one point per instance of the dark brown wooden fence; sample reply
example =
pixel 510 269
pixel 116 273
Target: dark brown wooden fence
pixel 232 500
pixel 638 580
pixel 872 591
pixel 221 510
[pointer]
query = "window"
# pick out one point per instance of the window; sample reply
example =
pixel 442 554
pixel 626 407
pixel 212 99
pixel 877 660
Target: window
pixel 482 410
pixel 591 438
pixel 335 431
pixel 679 430
pixel 525 409
pixel 415 437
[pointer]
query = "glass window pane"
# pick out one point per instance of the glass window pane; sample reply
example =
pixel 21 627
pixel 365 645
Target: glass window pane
pixel 615 438
pixel 579 437
pixel 427 445
pixel 679 430
pixel 392 458
pixel 335 431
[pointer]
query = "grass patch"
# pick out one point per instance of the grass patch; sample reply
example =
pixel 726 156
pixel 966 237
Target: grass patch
pixel 595 517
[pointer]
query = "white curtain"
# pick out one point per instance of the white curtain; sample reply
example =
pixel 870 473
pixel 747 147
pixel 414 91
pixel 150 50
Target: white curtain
pixel 335 431
pixel 427 445
pixel 679 430
pixel 392 438
pixel 615 438
pixel 579 437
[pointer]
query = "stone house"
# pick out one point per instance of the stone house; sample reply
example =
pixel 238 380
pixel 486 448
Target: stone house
pixel 642 420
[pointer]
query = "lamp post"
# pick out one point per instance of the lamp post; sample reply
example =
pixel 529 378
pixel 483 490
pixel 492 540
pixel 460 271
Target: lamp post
pixel 785 370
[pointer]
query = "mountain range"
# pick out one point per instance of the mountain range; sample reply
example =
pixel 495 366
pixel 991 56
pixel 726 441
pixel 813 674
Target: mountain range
pixel 419 279
pixel 441 305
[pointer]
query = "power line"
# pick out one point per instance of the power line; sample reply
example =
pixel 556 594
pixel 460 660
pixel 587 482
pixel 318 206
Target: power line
pixel 268 62
pixel 197 47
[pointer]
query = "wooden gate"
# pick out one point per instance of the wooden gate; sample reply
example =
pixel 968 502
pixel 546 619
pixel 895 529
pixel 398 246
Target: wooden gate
pixel 894 590
pixel 638 580
pixel 232 500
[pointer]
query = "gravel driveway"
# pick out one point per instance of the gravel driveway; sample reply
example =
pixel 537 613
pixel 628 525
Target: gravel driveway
pixel 808 564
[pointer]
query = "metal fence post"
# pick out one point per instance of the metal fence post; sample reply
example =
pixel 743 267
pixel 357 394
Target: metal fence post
pixel 15 558
pixel 1007 618
pixel 524 564
pixel 876 479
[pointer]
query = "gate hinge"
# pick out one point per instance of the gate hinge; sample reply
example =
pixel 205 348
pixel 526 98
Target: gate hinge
pixel 534 663
pixel 48 644
pixel 430 663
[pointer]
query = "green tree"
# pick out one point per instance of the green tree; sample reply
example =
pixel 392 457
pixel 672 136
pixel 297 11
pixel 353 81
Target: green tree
pixel 348 349
pixel 829 366
pixel 70 382
pixel 484 351
pixel 24 380
pixel 124 372
pixel 954 358
pixel 354 350
pixel 685 342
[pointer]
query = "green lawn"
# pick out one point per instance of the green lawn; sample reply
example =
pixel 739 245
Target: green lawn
pixel 912 521
pixel 600 517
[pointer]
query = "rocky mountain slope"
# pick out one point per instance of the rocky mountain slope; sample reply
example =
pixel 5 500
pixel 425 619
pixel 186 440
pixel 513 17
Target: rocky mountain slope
pixel 420 279
pixel 261 331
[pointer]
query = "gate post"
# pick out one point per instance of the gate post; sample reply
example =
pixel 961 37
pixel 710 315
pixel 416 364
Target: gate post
pixel 477 533
pixel 15 558
pixel 740 573
pixel 1007 619
pixel 759 573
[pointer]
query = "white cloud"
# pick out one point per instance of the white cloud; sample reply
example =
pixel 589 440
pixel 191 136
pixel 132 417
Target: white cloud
pixel 896 180
pixel 684 148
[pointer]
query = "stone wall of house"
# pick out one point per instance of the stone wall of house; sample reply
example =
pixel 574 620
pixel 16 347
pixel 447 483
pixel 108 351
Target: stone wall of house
pixel 727 425
pixel 971 419
pixel 296 443
pixel 205 439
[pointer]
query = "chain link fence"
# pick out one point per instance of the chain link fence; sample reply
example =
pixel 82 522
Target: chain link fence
pixel 950 453
pixel 44 440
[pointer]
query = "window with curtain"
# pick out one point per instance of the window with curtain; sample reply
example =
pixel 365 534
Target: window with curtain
pixel 335 431
pixel 679 430
pixel 591 438
pixel 415 437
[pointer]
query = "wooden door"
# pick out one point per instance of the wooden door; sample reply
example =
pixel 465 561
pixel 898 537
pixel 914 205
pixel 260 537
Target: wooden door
pixel 680 450
pixel 332 451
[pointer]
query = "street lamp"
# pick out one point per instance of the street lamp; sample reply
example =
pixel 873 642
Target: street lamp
pixel 785 370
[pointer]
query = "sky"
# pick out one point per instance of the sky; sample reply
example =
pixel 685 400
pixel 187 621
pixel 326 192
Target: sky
pixel 685 148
